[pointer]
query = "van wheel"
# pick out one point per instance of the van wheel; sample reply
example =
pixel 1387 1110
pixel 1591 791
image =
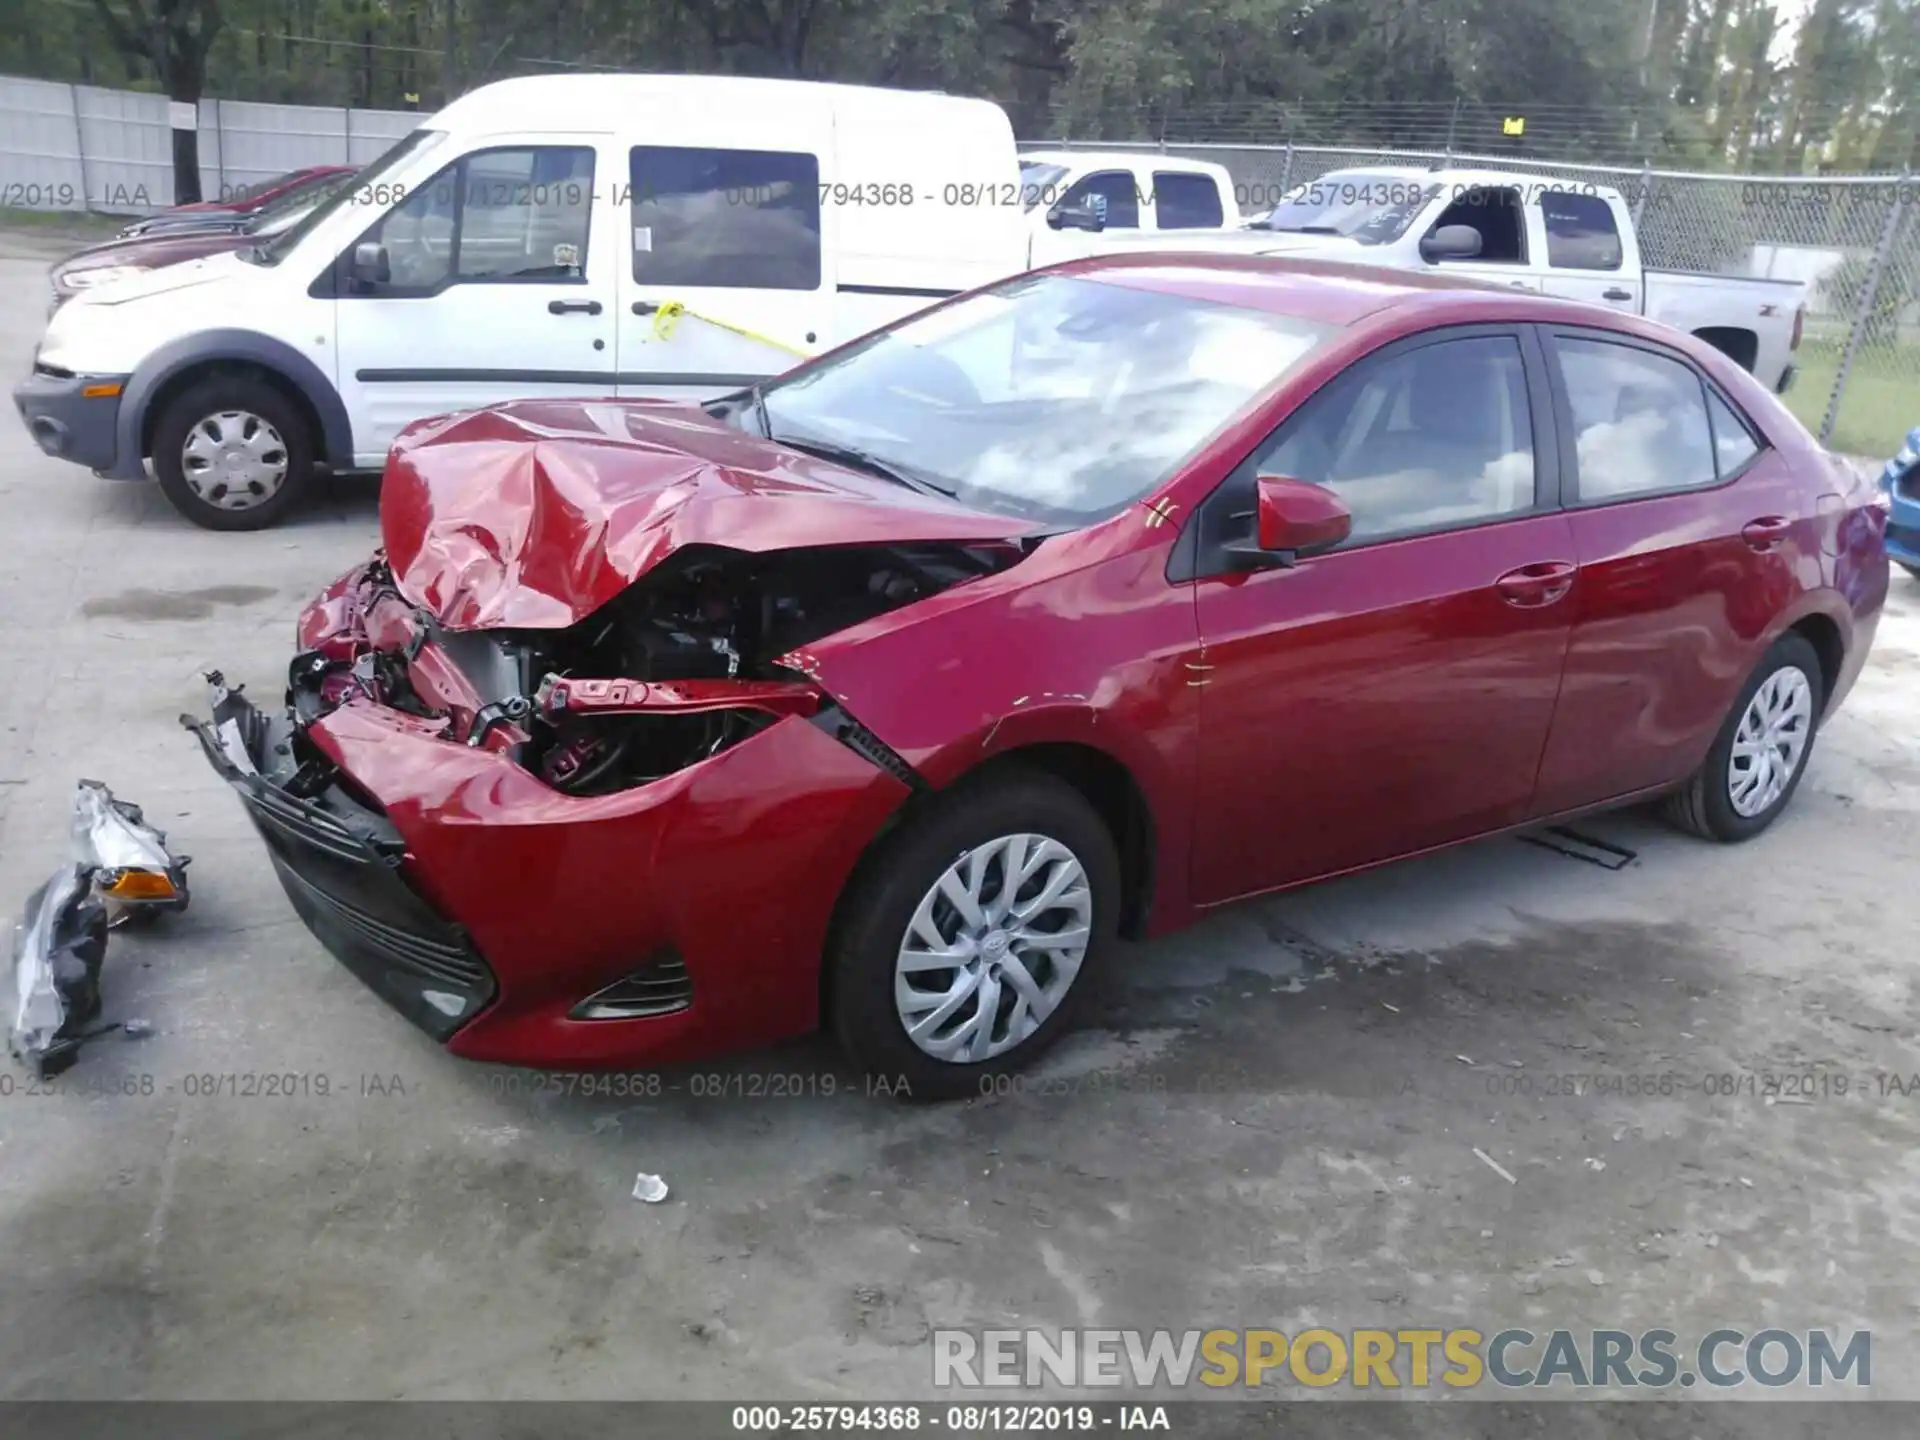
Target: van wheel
pixel 233 453
pixel 1761 752
pixel 969 943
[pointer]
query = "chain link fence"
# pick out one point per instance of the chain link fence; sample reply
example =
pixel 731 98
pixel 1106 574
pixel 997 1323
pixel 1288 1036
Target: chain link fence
pixel 1854 241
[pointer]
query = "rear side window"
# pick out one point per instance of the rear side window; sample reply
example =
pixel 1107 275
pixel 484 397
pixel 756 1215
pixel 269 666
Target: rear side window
pixel 1184 201
pixel 1733 442
pixel 1113 195
pixel 726 219
pixel 1639 420
pixel 1581 234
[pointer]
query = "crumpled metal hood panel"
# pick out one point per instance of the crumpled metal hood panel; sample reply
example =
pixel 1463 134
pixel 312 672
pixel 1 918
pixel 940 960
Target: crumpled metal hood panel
pixel 535 513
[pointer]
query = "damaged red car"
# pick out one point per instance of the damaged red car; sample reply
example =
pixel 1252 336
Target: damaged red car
pixel 889 693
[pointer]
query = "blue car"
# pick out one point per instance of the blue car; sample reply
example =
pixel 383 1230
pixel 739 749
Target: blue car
pixel 1902 479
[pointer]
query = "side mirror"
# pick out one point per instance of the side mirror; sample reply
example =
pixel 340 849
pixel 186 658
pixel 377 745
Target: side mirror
pixel 369 265
pixel 1292 519
pixel 1080 215
pixel 1450 242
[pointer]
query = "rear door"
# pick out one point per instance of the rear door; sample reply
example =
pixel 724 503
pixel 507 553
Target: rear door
pixel 501 287
pixel 1690 534
pixel 726 272
pixel 1187 200
pixel 1587 255
pixel 1394 693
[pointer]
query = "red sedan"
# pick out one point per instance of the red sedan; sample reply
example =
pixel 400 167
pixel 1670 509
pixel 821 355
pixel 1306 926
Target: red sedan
pixel 889 693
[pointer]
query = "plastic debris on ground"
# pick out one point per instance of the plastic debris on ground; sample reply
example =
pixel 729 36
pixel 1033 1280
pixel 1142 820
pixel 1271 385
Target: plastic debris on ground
pixel 57 951
pixel 650 1188
pixel 133 871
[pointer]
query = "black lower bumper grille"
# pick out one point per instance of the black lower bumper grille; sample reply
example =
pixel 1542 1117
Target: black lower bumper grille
pixel 339 862
pixel 658 988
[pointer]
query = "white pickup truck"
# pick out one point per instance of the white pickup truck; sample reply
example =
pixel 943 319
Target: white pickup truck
pixel 1076 201
pixel 1559 237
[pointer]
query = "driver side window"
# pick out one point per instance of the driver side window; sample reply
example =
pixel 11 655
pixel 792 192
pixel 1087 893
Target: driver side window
pixel 1497 215
pixel 520 213
pixel 1113 196
pixel 1435 437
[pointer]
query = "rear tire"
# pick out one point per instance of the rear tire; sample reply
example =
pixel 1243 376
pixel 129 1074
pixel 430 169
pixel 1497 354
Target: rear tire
pixel 1761 752
pixel 233 453
pixel 1015 983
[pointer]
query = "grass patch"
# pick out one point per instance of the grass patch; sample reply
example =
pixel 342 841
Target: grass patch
pixel 1881 403
pixel 61 222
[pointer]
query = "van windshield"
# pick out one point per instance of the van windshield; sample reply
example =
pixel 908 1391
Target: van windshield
pixel 1055 398
pixel 359 189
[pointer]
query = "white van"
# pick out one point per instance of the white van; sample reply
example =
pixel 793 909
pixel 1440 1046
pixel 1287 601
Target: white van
pixel 677 236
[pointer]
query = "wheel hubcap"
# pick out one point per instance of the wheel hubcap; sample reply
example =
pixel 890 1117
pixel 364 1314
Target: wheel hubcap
pixel 234 460
pixel 993 948
pixel 1771 740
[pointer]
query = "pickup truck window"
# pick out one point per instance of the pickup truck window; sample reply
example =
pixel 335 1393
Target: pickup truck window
pixel 1639 420
pixel 727 219
pixel 1495 212
pixel 1581 234
pixel 1115 198
pixel 1185 201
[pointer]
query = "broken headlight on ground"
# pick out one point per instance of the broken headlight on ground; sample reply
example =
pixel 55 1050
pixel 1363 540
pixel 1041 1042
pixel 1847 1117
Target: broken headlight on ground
pixel 680 666
pixel 57 950
pixel 131 867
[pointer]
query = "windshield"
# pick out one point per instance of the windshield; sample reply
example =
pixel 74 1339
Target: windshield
pixel 1370 208
pixel 283 210
pixel 357 188
pixel 1040 183
pixel 1063 400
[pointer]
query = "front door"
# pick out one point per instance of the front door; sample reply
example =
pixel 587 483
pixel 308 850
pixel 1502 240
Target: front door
pixel 499 286
pixel 1396 692
pixel 1498 213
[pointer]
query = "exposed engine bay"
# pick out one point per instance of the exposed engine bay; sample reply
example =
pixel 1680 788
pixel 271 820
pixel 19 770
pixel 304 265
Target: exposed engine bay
pixel 681 665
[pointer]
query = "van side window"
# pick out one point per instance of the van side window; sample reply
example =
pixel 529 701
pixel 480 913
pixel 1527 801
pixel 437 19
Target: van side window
pixel 727 219
pixel 1581 234
pixel 1185 201
pixel 510 214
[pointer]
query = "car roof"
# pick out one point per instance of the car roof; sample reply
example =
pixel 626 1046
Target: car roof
pixel 1329 292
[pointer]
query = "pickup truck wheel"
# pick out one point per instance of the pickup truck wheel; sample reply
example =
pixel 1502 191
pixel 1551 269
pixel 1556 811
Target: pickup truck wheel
pixel 965 949
pixel 1761 752
pixel 233 453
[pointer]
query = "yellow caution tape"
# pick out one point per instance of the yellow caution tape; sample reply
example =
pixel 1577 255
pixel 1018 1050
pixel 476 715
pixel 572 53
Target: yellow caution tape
pixel 668 316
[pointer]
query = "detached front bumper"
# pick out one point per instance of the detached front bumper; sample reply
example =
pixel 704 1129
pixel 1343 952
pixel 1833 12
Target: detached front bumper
pixel 73 417
pixel 339 863
pixel 492 910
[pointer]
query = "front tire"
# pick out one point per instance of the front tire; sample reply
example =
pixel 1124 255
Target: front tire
pixel 972 936
pixel 1757 760
pixel 233 453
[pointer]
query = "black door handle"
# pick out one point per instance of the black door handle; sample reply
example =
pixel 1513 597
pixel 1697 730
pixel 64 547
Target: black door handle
pixel 644 307
pixel 564 307
pixel 1617 294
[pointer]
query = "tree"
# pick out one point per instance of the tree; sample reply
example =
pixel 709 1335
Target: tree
pixel 172 38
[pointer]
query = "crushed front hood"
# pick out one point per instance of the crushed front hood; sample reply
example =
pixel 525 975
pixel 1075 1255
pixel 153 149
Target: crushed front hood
pixel 535 513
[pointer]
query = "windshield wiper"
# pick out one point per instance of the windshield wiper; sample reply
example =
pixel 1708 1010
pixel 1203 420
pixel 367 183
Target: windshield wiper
pixel 857 458
pixel 1305 229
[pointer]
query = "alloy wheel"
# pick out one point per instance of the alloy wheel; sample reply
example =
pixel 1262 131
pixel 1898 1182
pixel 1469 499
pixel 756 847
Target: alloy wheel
pixel 1772 738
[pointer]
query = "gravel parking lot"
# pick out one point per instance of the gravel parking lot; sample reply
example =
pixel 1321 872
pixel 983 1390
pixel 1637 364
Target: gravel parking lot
pixel 1271 1120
